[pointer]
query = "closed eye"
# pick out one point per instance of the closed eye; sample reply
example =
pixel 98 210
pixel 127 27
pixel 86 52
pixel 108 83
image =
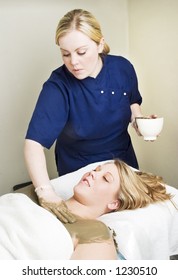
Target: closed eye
pixel 81 53
pixel 66 55
pixel 106 179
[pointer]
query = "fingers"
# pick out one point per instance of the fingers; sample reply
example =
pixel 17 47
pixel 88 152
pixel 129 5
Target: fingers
pixel 68 216
pixel 64 215
pixel 153 116
pixel 59 216
pixel 47 208
pixel 60 210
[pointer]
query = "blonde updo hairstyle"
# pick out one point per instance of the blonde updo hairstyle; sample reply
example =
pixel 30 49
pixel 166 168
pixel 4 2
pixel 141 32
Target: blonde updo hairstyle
pixel 139 189
pixel 84 22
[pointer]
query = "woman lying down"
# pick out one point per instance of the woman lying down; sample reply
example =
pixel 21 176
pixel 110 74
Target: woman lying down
pixel 112 186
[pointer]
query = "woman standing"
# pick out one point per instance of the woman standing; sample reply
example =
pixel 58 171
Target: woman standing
pixel 86 104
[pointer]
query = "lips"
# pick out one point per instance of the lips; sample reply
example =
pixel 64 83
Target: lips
pixel 77 70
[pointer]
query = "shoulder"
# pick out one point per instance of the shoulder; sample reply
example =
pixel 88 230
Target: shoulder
pixel 58 75
pixel 119 64
pixel 59 80
pixel 117 61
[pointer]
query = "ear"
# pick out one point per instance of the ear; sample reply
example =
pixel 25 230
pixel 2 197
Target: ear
pixel 113 205
pixel 101 45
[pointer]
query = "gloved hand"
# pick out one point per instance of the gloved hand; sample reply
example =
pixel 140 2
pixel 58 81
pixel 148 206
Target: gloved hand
pixel 49 200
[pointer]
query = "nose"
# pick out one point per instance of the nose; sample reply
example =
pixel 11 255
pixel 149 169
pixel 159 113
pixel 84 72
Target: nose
pixel 93 174
pixel 73 59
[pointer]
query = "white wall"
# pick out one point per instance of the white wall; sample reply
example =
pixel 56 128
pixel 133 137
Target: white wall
pixel 28 54
pixel 153 38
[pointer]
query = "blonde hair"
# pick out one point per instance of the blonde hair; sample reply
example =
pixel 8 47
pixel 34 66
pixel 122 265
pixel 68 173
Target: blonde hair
pixel 84 22
pixel 138 189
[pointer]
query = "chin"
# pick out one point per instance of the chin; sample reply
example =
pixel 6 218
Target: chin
pixel 80 77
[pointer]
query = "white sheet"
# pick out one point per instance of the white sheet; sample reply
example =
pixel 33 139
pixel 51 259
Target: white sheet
pixel 28 231
pixel 147 233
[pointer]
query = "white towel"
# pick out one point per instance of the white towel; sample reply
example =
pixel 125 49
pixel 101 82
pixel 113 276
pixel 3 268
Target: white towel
pixel 28 231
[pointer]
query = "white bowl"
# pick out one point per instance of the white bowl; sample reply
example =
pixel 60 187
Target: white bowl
pixel 150 128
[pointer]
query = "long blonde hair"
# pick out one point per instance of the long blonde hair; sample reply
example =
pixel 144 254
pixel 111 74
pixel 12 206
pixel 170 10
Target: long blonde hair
pixel 138 189
pixel 84 22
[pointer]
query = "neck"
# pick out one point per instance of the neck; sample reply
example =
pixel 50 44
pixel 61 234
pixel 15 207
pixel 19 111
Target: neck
pixel 98 67
pixel 81 210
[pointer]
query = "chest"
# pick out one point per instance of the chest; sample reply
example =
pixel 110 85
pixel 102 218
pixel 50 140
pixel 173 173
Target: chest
pixel 106 92
pixel 98 107
pixel 88 231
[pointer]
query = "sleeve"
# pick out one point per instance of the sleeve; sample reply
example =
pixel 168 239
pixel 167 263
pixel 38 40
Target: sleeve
pixel 50 114
pixel 133 90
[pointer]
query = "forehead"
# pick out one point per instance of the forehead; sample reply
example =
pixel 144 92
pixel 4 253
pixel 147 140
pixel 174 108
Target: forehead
pixel 108 167
pixel 74 39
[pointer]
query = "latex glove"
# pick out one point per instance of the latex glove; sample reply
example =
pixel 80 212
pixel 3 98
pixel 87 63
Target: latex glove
pixel 60 210
pixel 49 200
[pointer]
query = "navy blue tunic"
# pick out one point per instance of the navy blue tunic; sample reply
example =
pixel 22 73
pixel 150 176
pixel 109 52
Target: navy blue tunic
pixel 87 118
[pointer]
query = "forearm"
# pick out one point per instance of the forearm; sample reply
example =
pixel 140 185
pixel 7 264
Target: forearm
pixel 136 112
pixel 47 197
pixel 36 163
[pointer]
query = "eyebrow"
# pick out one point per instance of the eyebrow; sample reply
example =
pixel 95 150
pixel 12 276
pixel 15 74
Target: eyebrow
pixel 85 46
pixel 98 167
